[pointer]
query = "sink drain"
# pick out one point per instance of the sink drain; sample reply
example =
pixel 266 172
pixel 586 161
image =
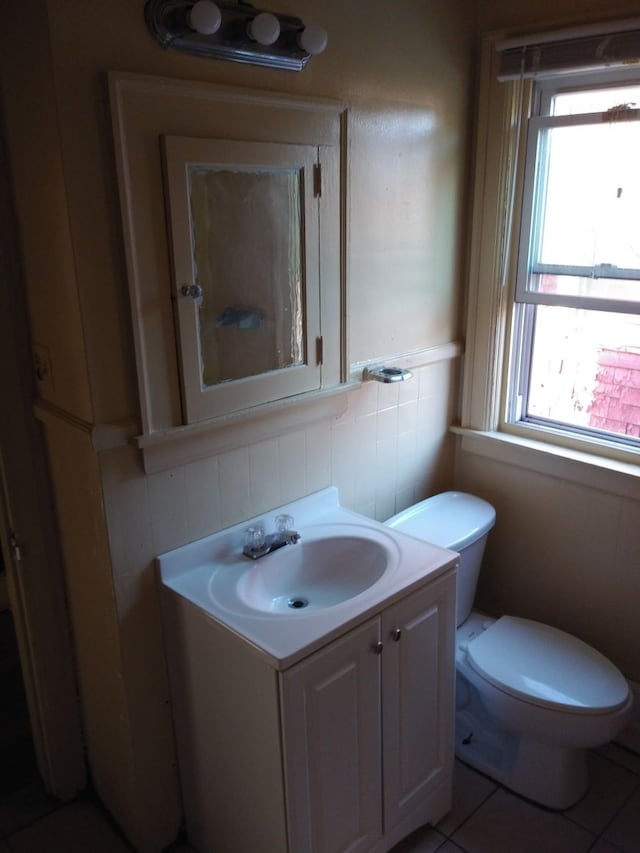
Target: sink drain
pixel 298 602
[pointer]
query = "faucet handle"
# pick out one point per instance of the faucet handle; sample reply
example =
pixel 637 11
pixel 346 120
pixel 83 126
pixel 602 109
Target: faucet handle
pixel 284 523
pixel 255 537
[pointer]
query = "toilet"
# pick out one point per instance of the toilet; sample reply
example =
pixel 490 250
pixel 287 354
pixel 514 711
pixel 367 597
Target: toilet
pixel 530 699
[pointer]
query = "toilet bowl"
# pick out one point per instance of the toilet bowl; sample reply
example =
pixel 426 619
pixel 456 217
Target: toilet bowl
pixel 530 699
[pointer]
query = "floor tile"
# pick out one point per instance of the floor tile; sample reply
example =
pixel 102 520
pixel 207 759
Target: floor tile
pixel 610 786
pixel 22 807
pixel 624 829
pixel 423 840
pixel 505 824
pixel 180 847
pixel 470 789
pixel 76 828
pixel 602 846
pixel 620 755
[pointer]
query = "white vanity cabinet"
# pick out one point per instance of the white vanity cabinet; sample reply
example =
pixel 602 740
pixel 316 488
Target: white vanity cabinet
pixel 350 748
pixel 367 728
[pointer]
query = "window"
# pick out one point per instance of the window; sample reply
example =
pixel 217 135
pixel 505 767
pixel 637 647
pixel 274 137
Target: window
pixel 553 331
pixel 576 333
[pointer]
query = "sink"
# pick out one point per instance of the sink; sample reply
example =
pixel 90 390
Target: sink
pixel 328 567
pixel 320 573
pixel 294 600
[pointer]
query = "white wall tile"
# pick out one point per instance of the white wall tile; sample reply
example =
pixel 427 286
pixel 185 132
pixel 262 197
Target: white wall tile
pixel 410 388
pixel 387 423
pixel 264 476
pixel 126 497
pixel 292 449
pixel 385 506
pixel 408 416
pixel 386 466
pixel 388 395
pixel 235 488
pixel 407 468
pixel 202 489
pixel 167 502
pixel 381 455
pixel 364 400
pixel 404 498
pixel 318 457
pixel 366 468
pixel 343 461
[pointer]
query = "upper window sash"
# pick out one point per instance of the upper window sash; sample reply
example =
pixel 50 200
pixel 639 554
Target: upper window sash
pixel 531 265
pixel 546 89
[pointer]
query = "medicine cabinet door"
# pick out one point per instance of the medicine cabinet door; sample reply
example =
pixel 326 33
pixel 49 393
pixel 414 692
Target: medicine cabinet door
pixel 243 219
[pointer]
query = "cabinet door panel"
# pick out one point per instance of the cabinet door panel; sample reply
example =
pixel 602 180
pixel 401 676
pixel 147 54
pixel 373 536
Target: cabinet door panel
pixel 418 676
pixel 331 733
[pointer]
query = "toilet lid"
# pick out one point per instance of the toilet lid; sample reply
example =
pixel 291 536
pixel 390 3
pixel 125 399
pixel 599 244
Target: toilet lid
pixel 547 667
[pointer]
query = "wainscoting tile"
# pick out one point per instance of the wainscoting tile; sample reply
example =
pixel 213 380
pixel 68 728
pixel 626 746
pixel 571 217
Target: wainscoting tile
pixel 264 476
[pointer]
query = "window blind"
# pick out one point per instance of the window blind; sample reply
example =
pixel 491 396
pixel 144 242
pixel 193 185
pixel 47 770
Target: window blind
pixel 570 51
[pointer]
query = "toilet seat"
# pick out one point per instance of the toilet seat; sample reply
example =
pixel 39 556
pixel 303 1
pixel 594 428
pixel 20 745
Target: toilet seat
pixel 547 667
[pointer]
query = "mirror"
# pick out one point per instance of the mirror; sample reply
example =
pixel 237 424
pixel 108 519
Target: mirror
pixel 246 229
pixel 244 224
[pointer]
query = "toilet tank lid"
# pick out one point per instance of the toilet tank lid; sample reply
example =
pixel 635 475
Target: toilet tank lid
pixel 548 667
pixel 451 520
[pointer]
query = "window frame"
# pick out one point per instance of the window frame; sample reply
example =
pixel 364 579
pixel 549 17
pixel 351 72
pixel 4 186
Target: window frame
pixel 540 120
pixel 492 322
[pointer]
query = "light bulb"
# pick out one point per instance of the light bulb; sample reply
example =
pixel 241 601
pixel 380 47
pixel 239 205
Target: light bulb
pixel 204 17
pixel 264 28
pixel 313 39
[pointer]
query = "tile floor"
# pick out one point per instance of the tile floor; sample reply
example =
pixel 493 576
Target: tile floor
pixel 485 819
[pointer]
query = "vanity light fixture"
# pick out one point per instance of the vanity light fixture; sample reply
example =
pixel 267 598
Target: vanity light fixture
pixel 235 31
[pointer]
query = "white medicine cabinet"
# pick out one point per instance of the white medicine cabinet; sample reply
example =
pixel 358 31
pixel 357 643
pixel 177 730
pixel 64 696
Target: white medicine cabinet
pixel 232 207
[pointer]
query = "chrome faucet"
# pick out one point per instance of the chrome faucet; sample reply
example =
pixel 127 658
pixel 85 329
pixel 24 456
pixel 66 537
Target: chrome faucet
pixel 258 543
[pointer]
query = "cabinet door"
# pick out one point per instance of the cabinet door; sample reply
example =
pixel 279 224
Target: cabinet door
pixel 244 220
pixel 418 672
pixel 331 738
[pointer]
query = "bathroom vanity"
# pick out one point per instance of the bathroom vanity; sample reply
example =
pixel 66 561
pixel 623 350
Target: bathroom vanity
pixel 322 727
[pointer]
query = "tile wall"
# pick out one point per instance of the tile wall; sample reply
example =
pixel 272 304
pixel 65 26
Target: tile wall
pixel 390 448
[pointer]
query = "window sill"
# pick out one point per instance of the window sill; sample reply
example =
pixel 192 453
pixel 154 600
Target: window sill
pixel 576 466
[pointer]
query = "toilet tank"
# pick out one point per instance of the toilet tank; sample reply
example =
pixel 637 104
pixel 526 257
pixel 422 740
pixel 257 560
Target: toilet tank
pixel 457 521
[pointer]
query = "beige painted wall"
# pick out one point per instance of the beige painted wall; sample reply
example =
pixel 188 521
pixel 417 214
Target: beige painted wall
pixel 405 72
pixel 562 551
pixel 547 14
